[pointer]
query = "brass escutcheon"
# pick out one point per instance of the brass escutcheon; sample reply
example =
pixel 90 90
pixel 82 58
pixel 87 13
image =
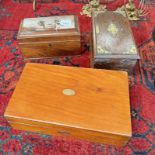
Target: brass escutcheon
pixel 69 92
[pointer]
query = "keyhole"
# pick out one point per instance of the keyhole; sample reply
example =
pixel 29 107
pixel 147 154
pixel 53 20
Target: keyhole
pixel 49 45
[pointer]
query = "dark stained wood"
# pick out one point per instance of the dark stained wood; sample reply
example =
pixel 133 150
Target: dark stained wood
pixel 113 43
pixel 96 108
pixel 49 41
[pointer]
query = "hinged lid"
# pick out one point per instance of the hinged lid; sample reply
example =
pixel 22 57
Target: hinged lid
pixel 112 36
pixel 65 96
pixel 53 28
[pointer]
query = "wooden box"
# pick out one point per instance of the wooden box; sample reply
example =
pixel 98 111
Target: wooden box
pixel 76 102
pixel 113 43
pixel 49 36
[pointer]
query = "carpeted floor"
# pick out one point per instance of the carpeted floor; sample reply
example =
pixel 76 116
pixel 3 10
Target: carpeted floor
pixel 142 88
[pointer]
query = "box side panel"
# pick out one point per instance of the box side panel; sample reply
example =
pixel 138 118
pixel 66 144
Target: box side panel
pixel 115 64
pixel 74 132
pixel 49 49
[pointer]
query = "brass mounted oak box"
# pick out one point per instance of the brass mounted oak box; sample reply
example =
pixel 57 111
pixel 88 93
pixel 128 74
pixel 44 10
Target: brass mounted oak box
pixel 113 43
pixel 61 100
pixel 49 36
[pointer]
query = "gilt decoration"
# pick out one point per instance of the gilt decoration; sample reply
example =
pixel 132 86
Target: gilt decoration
pixel 129 9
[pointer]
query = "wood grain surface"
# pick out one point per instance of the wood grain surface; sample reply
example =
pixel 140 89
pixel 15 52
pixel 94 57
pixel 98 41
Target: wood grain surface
pixel 49 49
pixel 99 110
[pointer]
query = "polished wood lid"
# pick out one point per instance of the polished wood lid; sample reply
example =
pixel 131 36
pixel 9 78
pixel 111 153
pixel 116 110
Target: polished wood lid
pixel 80 98
pixel 50 27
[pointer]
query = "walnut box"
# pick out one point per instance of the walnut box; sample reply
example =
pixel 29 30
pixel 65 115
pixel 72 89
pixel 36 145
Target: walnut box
pixel 49 36
pixel 84 103
pixel 113 43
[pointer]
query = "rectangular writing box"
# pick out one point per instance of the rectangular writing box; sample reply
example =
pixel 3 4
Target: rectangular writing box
pixel 76 102
pixel 113 43
pixel 49 36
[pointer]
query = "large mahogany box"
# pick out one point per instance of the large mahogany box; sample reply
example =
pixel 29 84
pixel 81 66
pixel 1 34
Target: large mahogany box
pixel 113 42
pixel 49 36
pixel 76 102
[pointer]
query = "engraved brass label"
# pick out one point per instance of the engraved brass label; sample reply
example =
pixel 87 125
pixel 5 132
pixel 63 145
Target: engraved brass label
pixel 101 50
pixel 69 92
pixel 112 28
